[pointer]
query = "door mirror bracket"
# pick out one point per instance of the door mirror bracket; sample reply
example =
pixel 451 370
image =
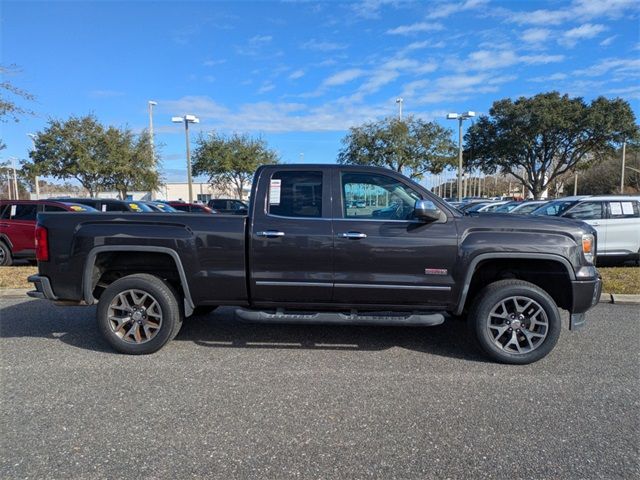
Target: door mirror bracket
pixel 427 211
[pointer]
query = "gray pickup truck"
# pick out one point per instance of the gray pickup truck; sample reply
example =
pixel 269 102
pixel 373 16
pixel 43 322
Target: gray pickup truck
pixel 325 244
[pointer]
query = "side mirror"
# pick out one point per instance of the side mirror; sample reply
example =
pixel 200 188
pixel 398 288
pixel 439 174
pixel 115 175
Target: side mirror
pixel 426 210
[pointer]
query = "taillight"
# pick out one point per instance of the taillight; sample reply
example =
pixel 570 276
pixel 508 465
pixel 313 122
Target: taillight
pixel 42 244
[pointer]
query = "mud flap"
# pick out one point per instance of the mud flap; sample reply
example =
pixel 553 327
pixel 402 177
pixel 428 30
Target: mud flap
pixel 577 321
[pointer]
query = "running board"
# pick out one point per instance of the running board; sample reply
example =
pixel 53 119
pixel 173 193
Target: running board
pixel 337 318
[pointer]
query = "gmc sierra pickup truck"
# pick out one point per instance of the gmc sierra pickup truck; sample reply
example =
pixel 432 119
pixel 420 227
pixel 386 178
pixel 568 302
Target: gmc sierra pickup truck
pixel 325 244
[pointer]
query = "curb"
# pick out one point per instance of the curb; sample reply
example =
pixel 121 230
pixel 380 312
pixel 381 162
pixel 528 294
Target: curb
pixel 620 299
pixel 14 292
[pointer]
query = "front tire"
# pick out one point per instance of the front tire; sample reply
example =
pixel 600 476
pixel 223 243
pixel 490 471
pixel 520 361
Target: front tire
pixel 138 314
pixel 515 322
pixel 6 260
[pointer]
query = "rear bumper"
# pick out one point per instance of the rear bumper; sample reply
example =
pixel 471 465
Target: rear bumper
pixel 586 293
pixel 43 288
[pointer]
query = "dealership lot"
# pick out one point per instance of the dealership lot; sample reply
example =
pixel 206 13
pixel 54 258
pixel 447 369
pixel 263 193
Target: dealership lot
pixel 233 400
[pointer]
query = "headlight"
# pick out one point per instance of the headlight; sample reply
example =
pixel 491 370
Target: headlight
pixel 588 247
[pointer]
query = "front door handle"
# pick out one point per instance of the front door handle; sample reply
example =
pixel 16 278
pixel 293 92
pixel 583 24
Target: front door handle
pixel 353 235
pixel 270 234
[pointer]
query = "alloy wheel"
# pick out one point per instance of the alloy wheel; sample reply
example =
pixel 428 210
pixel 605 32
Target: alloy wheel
pixel 518 325
pixel 135 316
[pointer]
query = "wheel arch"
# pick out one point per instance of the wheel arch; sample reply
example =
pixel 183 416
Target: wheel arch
pixel 509 262
pixel 89 280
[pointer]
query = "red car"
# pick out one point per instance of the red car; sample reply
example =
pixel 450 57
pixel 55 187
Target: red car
pixel 18 225
pixel 191 207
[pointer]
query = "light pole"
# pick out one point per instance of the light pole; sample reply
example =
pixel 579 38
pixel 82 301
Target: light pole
pixel 187 119
pixel 151 104
pixel 399 101
pixel 461 117
pixel 624 154
pixel 32 136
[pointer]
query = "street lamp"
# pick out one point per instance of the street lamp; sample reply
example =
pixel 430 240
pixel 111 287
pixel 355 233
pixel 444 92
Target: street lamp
pixel 624 154
pixel 461 117
pixel 32 136
pixel 187 119
pixel 151 104
pixel 399 101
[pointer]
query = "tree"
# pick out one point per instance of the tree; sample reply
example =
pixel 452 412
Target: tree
pixel 9 93
pixel 411 146
pixel 604 177
pixel 231 160
pixel 131 162
pixel 540 138
pixel 75 148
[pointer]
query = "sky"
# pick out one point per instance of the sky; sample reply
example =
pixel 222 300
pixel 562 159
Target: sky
pixel 300 73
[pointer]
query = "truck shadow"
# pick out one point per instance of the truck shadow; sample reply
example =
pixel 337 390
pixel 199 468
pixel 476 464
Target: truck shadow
pixel 76 326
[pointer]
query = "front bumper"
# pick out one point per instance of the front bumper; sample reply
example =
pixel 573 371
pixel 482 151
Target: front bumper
pixel 43 288
pixel 586 294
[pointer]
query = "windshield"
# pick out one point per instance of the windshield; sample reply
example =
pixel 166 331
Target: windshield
pixel 528 208
pixel 507 207
pixel 555 208
pixel 163 207
pixel 139 207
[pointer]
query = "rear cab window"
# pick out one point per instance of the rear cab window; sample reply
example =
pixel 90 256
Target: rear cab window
pixel 296 194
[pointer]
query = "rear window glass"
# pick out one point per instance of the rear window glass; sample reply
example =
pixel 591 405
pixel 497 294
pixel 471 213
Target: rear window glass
pixel 53 208
pixel 624 209
pixel 296 194
pixel 26 212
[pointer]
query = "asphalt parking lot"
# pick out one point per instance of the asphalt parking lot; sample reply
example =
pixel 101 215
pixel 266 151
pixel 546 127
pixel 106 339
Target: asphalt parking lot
pixel 233 400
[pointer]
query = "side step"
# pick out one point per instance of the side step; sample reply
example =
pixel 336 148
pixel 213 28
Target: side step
pixel 338 318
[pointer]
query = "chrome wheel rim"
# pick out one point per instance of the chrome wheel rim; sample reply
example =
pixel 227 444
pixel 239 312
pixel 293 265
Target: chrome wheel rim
pixel 518 325
pixel 135 316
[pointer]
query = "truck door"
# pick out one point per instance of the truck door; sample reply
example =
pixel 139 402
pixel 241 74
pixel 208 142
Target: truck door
pixel 382 255
pixel 291 237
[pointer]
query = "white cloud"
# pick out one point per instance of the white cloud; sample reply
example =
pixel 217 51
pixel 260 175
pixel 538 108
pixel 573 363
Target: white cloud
pixel 618 68
pixel 608 41
pixel 446 9
pixel 260 39
pixel 370 9
pixel 580 10
pixel 266 87
pixel 345 76
pixel 213 63
pixel 105 93
pixel 322 46
pixel 416 28
pixel 584 32
pixel 296 74
pixel 482 60
pixel 535 35
pixel 555 77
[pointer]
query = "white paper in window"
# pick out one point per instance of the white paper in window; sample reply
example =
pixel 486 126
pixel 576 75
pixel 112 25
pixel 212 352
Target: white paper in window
pixel 274 191
pixel 627 208
pixel 616 209
pixel 13 210
pixel 104 208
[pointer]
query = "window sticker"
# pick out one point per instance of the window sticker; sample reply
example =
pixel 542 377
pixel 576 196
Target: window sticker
pixel 77 208
pixel 627 208
pixel 616 209
pixel 135 207
pixel 274 191
pixel 13 210
pixel 104 207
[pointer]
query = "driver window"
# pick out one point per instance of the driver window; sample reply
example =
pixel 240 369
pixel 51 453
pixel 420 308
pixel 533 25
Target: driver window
pixel 377 197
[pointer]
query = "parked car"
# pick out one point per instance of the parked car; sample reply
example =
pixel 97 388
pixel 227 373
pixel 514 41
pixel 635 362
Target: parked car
pixel 616 218
pixel 18 225
pixel 191 207
pixel 228 205
pixel 301 256
pixel 110 204
pixel 160 207
pixel 472 206
pixel 491 206
pixel 526 207
pixel 555 208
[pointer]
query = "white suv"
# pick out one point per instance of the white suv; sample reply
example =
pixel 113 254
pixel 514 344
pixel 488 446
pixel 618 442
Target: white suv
pixel 617 221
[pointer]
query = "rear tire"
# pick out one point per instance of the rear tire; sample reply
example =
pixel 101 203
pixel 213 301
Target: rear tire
pixel 515 322
pixel 138 314
pixel 6 259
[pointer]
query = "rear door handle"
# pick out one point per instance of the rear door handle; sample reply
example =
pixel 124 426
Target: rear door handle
pixel 353 235
pixel 270 234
